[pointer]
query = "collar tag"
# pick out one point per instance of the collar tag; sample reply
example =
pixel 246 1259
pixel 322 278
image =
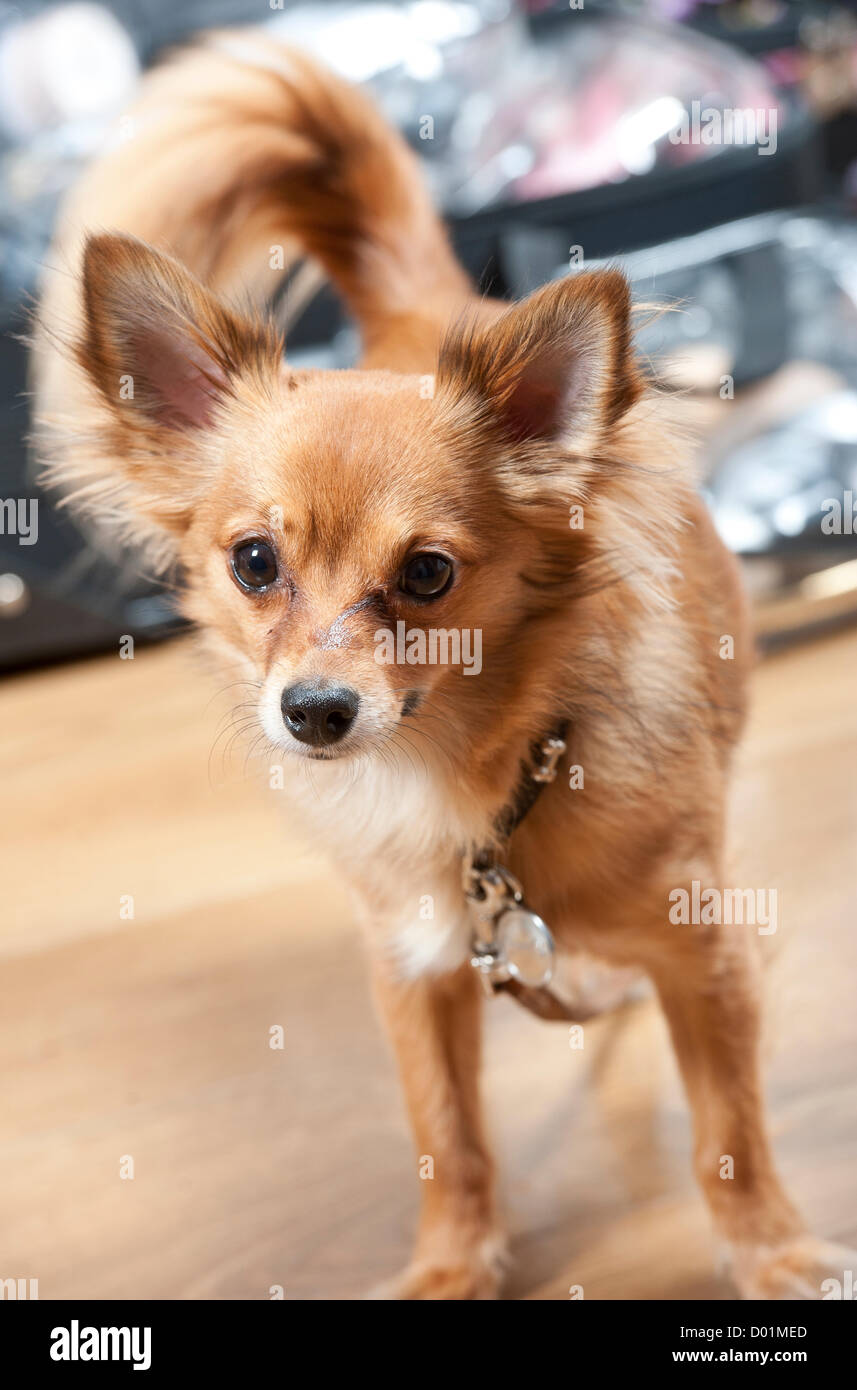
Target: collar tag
pixel 510 942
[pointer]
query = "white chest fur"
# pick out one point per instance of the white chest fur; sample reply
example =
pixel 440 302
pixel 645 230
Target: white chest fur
pixel 397 828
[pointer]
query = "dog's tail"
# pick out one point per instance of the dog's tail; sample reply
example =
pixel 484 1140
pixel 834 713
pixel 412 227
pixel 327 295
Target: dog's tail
pixel 240 153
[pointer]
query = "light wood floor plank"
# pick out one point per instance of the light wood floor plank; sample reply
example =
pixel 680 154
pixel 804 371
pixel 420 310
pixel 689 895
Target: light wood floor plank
pixel 256 1167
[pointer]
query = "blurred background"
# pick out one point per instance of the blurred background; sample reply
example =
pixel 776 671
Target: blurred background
pixel 156 923
pixel 558 133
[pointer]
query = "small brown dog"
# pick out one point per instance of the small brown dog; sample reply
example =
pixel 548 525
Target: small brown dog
pixel 501 472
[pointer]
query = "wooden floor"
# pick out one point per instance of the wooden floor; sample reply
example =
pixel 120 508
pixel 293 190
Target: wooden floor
pixel 255 1167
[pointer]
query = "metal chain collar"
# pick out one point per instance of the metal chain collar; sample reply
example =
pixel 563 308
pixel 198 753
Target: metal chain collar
pixel 510 944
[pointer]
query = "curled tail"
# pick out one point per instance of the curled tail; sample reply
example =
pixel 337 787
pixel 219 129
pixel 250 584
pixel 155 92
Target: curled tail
pixel 239 146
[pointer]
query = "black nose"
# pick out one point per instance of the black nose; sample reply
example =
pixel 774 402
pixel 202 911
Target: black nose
pixel 317 713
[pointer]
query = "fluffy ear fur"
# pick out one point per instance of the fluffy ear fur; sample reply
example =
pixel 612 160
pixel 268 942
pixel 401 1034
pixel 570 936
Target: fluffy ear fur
pixel 164 354
pixel 544 389
pixel 556 368
pixel 161 349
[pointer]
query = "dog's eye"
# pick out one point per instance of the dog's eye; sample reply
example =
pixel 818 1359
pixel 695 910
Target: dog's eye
pixel 426 576
pixel 254 565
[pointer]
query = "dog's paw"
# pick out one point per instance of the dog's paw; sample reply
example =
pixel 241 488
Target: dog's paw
pixel 802 1268
pixel 474 1275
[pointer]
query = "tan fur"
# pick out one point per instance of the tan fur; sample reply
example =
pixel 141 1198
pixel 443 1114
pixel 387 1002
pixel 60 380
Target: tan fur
pixel 536 408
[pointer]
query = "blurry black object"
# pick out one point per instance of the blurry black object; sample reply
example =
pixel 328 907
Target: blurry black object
pixel 644 211
pixel 60 597
pixel 82 600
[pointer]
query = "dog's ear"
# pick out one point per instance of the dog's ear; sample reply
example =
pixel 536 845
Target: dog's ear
pixel 162 350
pixel 164 354
pixel 556 368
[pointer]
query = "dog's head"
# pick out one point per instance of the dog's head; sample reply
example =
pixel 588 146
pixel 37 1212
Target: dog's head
pixel 360 542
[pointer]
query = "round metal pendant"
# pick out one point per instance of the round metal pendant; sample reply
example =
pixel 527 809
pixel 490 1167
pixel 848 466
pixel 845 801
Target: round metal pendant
pixel 525 946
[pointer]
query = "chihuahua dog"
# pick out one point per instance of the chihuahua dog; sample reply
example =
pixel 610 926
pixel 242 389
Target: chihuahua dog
pixel 494 469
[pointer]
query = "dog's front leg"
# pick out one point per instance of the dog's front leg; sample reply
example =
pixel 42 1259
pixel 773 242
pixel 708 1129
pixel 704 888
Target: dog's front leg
pixel 434 1024
pixel 708 985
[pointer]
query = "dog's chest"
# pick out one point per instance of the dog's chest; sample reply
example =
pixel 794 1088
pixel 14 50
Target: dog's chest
pixel 398 833
pixel 375 808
